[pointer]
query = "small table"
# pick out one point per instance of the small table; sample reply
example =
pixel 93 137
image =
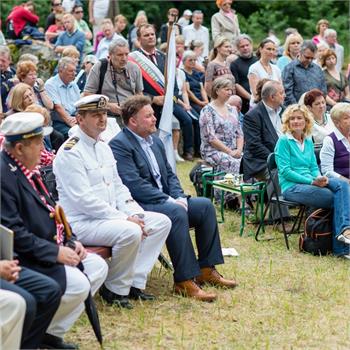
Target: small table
pixel 244 190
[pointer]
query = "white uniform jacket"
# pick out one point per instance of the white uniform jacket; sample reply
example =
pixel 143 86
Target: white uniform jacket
pixel 88 183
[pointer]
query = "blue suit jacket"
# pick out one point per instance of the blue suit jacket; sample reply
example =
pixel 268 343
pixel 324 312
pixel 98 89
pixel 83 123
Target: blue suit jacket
pixel 24 212
pixel 136 172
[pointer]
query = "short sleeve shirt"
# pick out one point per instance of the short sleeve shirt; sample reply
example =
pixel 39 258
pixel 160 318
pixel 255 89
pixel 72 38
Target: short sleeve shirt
pixel 128 82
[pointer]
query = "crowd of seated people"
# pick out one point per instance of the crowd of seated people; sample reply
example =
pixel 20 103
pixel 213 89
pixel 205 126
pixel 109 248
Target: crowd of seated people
pixel 232 109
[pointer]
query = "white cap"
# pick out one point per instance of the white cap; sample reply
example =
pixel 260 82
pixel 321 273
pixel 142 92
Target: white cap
pixel 24 125
pixel 92 103
pixel 187 13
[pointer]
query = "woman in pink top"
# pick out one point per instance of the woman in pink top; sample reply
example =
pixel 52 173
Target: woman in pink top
pixel 321 26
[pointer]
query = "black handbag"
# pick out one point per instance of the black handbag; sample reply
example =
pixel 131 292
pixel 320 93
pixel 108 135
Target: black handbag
pixel 318 234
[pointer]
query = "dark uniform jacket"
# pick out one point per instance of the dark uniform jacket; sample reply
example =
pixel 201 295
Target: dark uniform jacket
pixel 27 216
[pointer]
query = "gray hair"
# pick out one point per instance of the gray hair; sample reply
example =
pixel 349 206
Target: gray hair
pixel 120 42
pixel 219 83
pixel 269 89
pixel 308 45
pixel 4 50
pixel 187 54
pixel 197 12
pixel 338 110
pixel 29 57
pixel 243 37
pixel 64 62
pixel 329 32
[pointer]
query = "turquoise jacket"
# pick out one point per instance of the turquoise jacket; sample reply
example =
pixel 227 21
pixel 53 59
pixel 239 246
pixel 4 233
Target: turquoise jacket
pixel 295 166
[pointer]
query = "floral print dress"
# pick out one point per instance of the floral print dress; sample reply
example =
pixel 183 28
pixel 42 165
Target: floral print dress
pixel 225 129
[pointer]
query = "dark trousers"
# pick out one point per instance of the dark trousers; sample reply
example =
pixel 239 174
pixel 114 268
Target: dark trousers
pixel 42 296
pixel 186 127
pixel 202 216
pixel 61 127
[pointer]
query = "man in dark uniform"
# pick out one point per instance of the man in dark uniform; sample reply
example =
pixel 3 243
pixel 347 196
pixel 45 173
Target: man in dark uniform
pixel 28 210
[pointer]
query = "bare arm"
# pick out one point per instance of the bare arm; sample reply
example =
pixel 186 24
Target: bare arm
pixel 253 82
pixel 207 86
pixel 91 12
pixel 65 116
pixel 241 91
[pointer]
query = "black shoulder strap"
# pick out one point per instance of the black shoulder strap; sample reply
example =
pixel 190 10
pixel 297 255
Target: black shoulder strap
pixel 103 70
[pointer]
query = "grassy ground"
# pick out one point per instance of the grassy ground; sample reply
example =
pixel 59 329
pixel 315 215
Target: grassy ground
pixel 285 300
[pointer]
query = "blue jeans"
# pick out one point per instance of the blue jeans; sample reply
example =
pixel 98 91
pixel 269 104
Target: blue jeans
pixel 335 196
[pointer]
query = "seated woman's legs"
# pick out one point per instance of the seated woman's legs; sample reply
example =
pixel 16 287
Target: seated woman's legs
pixel 310 196
pixel 341 215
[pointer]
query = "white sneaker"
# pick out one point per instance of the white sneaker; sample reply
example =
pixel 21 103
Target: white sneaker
pixel 344 237
pixel 347 256
pixel 178 158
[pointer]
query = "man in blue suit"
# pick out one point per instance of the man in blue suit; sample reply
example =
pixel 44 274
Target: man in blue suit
pixel 143 167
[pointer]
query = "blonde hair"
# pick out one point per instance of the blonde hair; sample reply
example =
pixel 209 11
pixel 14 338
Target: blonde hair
pixel 338 110
pixel 290 38
pixel 287 114
pixel 38 109
pixel 321 21
pixel 16 101
pixel 219 41
pixel 71 51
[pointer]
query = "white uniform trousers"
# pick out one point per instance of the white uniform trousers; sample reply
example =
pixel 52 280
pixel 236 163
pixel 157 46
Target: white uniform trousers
pixel 12 312
pixel 132 259
pixel 77 289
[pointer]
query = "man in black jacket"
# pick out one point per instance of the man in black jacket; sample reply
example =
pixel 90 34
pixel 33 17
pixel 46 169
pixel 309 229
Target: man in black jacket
pixel 261 127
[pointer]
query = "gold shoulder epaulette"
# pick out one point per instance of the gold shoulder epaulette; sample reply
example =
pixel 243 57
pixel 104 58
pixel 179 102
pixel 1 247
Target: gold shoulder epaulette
pixel 71 143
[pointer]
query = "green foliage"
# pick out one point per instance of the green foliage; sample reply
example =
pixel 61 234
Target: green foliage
pixel 256 16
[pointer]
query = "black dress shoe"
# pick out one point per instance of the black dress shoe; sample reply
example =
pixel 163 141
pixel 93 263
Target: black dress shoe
pixel 115 299
pixel 187 156
pixel 53 342
pixel 138 294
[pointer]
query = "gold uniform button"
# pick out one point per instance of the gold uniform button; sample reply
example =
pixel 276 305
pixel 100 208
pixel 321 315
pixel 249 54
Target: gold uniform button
pixel 54 237
pixel 52 215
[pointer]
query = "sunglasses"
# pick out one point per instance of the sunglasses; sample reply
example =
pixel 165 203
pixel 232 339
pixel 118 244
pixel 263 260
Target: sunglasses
pixel 55 5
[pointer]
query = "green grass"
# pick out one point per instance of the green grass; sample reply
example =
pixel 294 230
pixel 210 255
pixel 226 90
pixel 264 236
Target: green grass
pixel 285 300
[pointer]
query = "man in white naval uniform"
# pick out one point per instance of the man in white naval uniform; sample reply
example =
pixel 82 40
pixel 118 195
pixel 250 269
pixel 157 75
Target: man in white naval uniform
pixel 101 210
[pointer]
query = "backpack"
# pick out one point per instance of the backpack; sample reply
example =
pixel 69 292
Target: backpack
pixel 317 236
pixel 103 70
pixel 196 178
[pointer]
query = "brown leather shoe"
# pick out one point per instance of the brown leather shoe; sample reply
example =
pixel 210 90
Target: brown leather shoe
pixel 187 156
pixel 211 276
pixel 190 289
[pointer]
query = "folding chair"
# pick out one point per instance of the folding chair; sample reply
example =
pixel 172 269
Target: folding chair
pixel 279 200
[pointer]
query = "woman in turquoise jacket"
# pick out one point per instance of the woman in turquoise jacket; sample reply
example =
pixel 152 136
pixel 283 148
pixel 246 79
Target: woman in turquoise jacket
pixel 301 180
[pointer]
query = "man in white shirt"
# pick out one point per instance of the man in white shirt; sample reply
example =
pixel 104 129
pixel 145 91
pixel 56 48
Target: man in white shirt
pixel 109 36
pixel 196 31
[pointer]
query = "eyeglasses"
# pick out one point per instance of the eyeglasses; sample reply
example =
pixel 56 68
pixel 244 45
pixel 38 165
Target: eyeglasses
pixel 77 12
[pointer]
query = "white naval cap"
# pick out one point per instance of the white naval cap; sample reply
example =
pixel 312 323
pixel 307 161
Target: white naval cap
pixel 187 13
pixel 92 103
pixel 24 125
